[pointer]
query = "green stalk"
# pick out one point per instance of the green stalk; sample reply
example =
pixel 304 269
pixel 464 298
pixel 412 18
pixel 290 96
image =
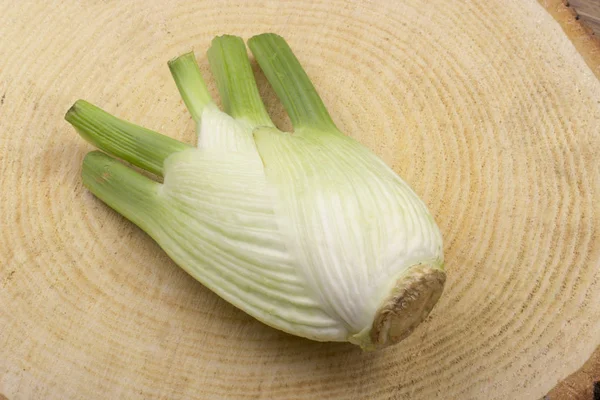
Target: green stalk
pixel 290 82
pixel 230 65
pixel 140 146
pixel 127 192
pixel 190 84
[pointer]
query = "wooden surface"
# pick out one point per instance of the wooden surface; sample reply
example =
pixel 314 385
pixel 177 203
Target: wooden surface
pixel 579 33
pixel 589 12
pixel 582 385
pixel 499 137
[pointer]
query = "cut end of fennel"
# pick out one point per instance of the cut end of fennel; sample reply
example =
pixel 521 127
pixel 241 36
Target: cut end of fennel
pixel 409 302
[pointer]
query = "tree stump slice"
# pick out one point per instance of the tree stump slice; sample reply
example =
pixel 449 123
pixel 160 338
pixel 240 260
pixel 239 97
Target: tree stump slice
pixel 486 108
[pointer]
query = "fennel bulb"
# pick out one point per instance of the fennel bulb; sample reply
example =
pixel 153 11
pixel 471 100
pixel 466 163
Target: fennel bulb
pixel 308 232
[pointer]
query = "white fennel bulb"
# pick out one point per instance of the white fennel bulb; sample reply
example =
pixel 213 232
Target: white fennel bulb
pixel 308 232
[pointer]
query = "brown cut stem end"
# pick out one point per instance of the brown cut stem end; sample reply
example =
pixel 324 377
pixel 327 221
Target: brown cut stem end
pixel 409 303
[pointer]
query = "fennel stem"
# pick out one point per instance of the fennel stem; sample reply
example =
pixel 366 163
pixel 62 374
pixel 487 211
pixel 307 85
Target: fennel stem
pixel 191 86
pixel 291 83
pixel 230 66
pixel 126 191
pixel 142 147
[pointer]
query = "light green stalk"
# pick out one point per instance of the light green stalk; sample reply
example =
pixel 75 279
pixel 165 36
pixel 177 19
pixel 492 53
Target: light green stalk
pixel 188 78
